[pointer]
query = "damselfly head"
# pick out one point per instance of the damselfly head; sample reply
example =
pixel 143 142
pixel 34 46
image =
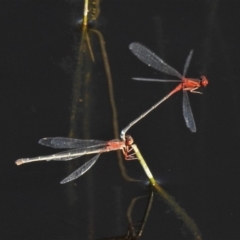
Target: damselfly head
pixel 128 140
pixel 204 81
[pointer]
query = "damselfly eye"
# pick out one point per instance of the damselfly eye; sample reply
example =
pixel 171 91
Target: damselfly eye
pixel 129 140
pixel 204 81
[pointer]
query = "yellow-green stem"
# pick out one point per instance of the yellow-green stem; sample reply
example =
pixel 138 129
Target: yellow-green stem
pixel 85 13
pixel 144 164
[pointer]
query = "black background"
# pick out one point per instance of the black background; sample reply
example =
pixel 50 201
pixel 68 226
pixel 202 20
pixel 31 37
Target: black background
pixel 38 57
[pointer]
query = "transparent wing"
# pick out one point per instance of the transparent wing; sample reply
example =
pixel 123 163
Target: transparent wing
pixel 62 142
pixel 187 63
pixel 155 80
pixel 75 153
pixel 80 171
pixel 187 113
pixel 152 60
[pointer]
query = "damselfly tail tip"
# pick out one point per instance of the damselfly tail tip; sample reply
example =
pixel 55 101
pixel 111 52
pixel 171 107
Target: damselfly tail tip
pixel 131 45
pixel 63 181
pixel 19 162
pixel 193 130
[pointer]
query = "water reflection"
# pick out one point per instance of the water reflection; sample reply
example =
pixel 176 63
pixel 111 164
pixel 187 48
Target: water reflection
pixel 168 199
pixel 80 117
pixel 84 101
pixel 135 230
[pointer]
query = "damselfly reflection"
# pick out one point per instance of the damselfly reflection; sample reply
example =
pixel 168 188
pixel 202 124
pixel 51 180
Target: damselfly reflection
pixel 79 148
pixel 186 84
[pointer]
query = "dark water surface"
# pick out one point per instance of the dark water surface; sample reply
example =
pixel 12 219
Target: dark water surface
pixel 51 87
